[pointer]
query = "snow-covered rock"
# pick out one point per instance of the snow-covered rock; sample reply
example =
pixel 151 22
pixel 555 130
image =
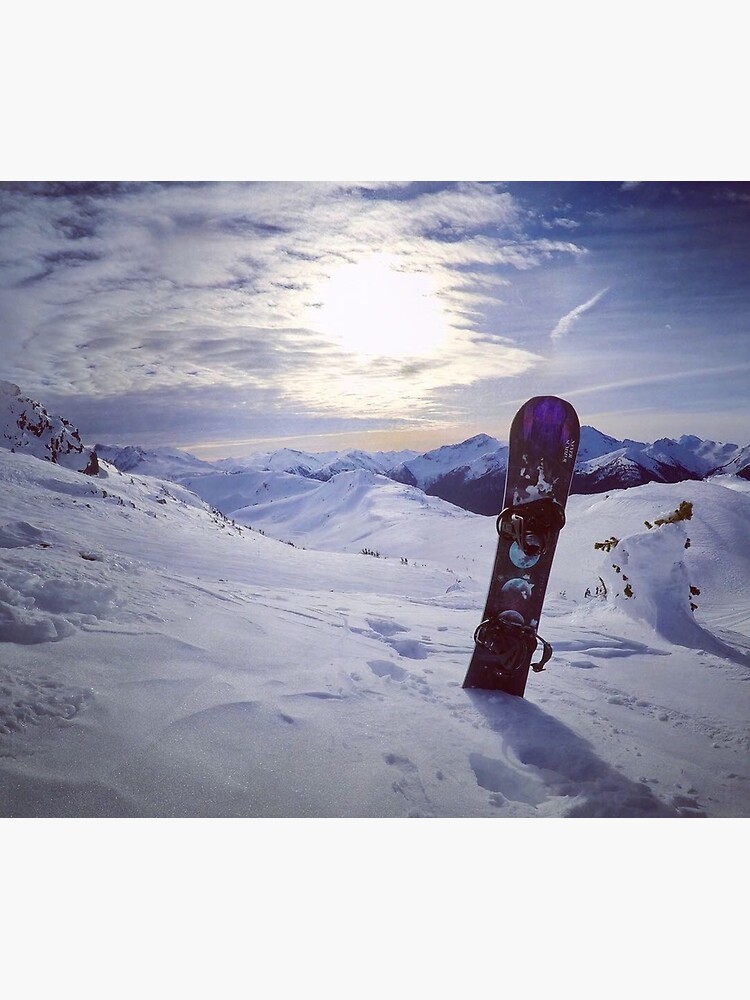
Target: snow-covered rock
pixel 26 426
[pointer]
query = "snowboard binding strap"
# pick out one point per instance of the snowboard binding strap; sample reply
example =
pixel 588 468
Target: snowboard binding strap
pixel 531 524
pixel 513 643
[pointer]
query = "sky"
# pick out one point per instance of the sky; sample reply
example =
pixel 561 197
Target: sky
pixel 231 317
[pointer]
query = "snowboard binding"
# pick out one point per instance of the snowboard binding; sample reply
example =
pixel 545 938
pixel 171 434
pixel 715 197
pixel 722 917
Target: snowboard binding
pixel 531 525
pixel 512 642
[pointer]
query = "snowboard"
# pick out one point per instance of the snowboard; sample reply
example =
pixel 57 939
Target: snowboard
pixel 543 445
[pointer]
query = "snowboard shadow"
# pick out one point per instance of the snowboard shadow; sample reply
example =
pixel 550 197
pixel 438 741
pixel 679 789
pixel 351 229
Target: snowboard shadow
pixel 565 762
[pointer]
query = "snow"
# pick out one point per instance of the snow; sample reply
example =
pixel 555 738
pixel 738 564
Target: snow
pixel 283 460
pixel 238 490
pixel 603 462
pixel 162 659
pixel 159 658
pixel 738 462
pixel 594 444
pixel 692 453
pixel 167 463
pixel 476 456
pixel 321 465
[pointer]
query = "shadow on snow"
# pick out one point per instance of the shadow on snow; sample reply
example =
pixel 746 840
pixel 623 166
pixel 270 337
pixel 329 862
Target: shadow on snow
pixel 564 762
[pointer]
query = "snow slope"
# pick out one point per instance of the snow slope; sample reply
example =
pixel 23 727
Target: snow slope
pixel 361 510
pixel 158 660
pixel 235 491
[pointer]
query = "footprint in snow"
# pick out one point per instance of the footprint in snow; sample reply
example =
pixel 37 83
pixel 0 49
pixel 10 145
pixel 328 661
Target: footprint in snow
pixel 409 784
pixel 29 701
pixel 385 668
pixel 389 631
pixel 384 627
pixel 413 649
pixel 497 776
pixel 687 805
pixel 402 763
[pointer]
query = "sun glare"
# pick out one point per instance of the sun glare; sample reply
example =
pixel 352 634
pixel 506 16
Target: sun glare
pixel 374 308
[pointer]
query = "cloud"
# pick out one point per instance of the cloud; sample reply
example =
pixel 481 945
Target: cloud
pixel 139 302
pixel 564 325
pixel 81 262
pixel 132 291
pixel 662 378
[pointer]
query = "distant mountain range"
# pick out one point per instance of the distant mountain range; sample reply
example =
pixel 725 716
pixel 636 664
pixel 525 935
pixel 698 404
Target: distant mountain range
pixel 164 463
pixel 319 465
pixel 470 474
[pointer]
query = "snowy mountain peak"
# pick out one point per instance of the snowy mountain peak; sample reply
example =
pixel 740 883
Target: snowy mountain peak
pixel 479 442
pixel 164 463
pixel 126 458
pixel 321 466
pixel 299 463
pixel 594 444
pixel 738 464
pixel 427 469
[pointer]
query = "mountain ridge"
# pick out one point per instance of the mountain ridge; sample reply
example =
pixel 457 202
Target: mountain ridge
pixel 469 474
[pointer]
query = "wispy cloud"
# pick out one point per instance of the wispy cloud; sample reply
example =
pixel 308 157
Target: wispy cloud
pixel 109 289
pixel 663 378
pixel 565 324
pixel 118 299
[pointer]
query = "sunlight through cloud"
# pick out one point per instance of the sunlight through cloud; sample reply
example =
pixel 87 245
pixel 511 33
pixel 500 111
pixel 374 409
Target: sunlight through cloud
pixel 376 307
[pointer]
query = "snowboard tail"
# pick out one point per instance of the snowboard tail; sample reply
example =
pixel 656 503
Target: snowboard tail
pixel 543 444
